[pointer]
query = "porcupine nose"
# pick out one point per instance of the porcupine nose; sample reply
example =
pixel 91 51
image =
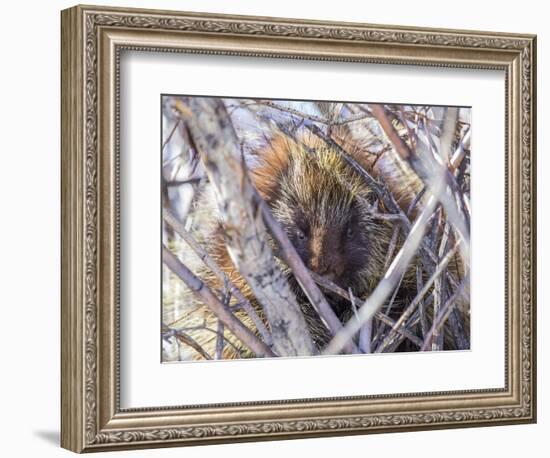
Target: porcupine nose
pixel 324 258
pixel 319 266
pixel 325 266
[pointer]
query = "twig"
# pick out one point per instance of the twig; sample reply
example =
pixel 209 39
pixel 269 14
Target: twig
pixel 212 331
pixel 220 340
pixel 224 314
pixel 421 305
pixel 187 340
pixel 176 124
pixel 365 332
pixel 391 246
pixel 308 116
pixel 195 180
pixel 442 317
pixel 415 201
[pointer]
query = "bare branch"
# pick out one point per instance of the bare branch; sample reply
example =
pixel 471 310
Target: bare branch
pixel 309 116
pixel 220 340
pixel 441 317
pixel 187 340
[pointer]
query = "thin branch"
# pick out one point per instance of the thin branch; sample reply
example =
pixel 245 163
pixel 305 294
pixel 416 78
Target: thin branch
pixel 442 317
pixel 172 183
pixel 176 124
pixel 187 340
pixel 391 246
pixel 212 331
pixel 220 340
pixel 309 116
pixel 421 304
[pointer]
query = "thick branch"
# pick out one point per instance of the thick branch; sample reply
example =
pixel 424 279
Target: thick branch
pixel 217 144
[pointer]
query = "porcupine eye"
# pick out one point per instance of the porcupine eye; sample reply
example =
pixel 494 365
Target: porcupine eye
pixel 349 233
pixel 300 235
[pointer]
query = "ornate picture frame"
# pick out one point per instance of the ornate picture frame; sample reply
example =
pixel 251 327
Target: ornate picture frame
pixel 93 39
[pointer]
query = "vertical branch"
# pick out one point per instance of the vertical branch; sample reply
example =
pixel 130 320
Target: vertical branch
pixel 220 340
pixel 437 293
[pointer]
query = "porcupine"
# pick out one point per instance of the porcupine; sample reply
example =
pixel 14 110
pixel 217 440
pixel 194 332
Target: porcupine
pixel 326 209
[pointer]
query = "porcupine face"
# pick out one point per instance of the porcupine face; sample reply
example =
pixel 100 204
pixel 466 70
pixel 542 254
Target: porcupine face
pixel 322 203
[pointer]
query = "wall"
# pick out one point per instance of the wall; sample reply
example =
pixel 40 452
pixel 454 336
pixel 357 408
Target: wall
pixel 29 232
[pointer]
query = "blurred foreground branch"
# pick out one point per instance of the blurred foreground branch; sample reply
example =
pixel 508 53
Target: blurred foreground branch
pixel 217 145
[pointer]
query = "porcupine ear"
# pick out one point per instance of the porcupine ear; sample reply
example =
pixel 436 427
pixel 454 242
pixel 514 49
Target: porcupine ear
pixel 273 160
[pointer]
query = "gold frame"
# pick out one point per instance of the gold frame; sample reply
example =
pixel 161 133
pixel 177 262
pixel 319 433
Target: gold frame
pixel 92 39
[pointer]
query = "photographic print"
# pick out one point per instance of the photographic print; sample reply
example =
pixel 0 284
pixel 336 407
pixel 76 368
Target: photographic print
pixel 304 221
pixel 359 211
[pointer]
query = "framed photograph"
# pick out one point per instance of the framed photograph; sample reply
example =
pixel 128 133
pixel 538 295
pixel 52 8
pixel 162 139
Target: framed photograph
pixel 277 228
